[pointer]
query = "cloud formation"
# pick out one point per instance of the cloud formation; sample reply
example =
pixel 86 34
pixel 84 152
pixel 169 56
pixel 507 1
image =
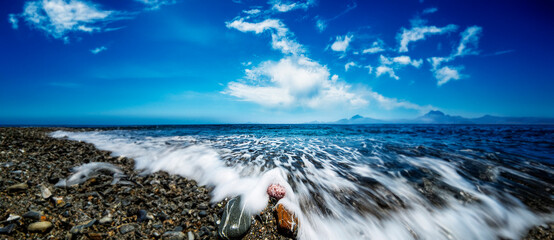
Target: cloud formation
pixel 281 38
pixel 285 6
pixel 156 4
pixel 321 23
pixel 469 41
pixel 294 81
pixel 376 47
pixel 445 74
pixel 417 33
pixel 57 18
pixel 98 49
pixel 12 18
pixel 341 43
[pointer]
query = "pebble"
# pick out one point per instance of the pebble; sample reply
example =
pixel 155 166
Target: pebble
pixel 7 229
pixel 106 219
pixel 286 220
pixel 34 215
pixel 202 206
pixel 141 215
pixel 11 218
pixel 58 201
pixel 173 235
pixel 203 213
pixel 190 235
pixel 39 226
pixel 81 228
pixel 277 191
pixel 123 229
pixel 44 191
pixel 234 222
pixel 18 187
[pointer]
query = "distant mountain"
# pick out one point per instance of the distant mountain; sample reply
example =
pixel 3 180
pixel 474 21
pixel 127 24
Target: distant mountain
pixel 438 117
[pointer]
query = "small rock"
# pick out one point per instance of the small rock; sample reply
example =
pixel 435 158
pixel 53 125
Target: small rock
pixel 287 221
pixel 123 229
pixel 202 206
pixel 141 215
pixel 173 235
pixel 81 228
pixel 106 219
pixel 18 187
pixel 234 222
pixel 44 191
pixel 277 191
pixel 203 213
pixel 39 226
pixel 7 229
pixel 190 235
pixel 97 236
pixel 58 201
pixel 11 218
pixel 34 215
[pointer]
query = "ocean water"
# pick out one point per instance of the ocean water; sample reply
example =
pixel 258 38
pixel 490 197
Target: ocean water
pixel 363 181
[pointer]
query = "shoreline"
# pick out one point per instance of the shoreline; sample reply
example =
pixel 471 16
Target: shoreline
pixel 155 206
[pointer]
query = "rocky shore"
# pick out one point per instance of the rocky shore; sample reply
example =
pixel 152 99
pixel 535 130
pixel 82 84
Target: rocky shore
pixel 119 205
pixel 155 206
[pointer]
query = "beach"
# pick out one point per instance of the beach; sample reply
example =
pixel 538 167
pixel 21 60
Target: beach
pixel 152 206
pixel 130 205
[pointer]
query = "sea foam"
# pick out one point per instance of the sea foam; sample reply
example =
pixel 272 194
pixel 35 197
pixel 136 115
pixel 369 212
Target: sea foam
pixel 334 194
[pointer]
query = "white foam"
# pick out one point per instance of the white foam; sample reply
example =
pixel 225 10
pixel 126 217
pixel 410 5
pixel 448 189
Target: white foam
pixel 246 165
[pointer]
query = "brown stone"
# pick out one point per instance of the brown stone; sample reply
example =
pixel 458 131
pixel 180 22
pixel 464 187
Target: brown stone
pixel 286 220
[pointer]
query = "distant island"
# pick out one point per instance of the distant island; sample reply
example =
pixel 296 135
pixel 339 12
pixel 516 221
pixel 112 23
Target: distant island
pixel 438 117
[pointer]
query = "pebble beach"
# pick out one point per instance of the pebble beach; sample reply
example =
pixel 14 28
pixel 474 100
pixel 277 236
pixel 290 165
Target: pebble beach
pixel 126 205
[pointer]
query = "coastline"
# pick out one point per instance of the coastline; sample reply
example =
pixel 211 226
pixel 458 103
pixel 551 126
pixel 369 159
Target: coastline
pixel 157 205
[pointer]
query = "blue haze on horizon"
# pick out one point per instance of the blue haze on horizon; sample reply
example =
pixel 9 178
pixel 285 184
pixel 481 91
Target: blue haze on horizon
pixel 276 61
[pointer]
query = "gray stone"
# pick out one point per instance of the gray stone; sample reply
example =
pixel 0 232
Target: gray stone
pixel 7 229
pixel 235 222
pixel 81 228
pixel 33 215
pixel 39 226
pixel 18 187
pixel 190 236
pixel 106 219
pixel 173 235
pixel 44 191
pixel 126 228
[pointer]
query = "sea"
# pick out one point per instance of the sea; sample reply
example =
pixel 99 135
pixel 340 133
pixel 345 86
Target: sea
pixel 362 181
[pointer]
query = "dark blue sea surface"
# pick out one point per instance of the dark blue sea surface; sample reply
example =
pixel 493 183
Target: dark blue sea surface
pixel 363 181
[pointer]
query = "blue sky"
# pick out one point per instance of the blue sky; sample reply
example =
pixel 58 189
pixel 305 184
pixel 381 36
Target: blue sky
pixel 276 61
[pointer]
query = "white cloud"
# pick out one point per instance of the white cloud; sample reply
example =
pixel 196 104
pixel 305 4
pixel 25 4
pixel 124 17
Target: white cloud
pixel 58 17
pixel 321 24
pixel 294 81
pixel 385 69
pixel 349 65
pixel 12 18
pixel 469 41
pixel 445 74
pixel 252 11
pixel 156 4
pixel 430 10
pixel 285 6
pixel 419 33
pixel 406 60
pixel 376 47
pixel 341 43
pixel 98 50
pixel 281 38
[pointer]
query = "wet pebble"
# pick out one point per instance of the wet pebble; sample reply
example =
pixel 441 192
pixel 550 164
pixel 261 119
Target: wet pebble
pixel 123 229
pixel 81 228
pixel 39 226
pixel 7 229
pixel 234 222
pixel 44 191
pixel 18 187
pixel 173 235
